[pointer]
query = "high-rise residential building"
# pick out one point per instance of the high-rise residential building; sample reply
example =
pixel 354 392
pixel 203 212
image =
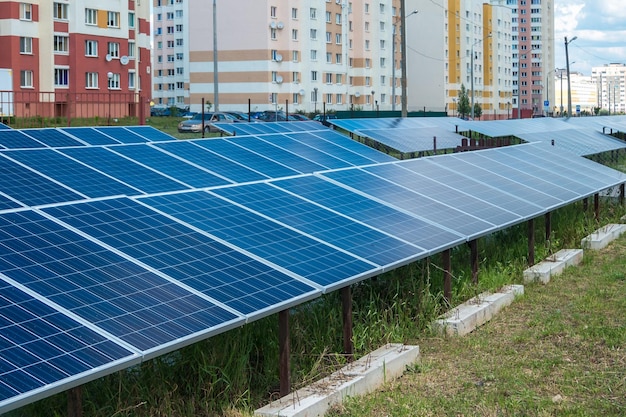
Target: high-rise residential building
pixel 170 28
pixel 340 54
pixel 70 49
pixel 610 83
pixel 479 56
pixel 533 55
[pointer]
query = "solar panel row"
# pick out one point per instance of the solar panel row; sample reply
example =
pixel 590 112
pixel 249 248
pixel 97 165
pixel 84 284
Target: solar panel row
pixel 215 233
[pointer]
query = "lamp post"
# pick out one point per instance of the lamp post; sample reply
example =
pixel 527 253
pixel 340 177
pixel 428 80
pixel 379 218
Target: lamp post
pixel 373 92
pixel 315 99
pixel 472 71
pixel 569 84
pixel 109 78
pixel 454 107
pixel 393 59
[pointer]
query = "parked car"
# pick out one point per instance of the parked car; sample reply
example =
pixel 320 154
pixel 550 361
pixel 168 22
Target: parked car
pixel 238 115
pixel 195 123
pixel 324 119
pixel 156 111
pixel 189 114
pixel 273 116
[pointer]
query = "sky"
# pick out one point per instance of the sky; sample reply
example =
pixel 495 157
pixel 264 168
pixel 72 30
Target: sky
pixel 600 27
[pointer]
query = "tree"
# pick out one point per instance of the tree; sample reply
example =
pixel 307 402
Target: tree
pixel 464 104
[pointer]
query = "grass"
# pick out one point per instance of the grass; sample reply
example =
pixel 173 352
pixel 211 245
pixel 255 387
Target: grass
pixel 559 350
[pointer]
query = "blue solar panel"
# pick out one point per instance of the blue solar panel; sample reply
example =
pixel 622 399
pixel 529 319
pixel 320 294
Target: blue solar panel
pixel 90 136
pixel 306 151
pixel 471 186
pixel 71 173
pixel 40 346
pixel 424 207
pixel 169 165
pixel 450 196
pixel 359 148
pixel 264 147
pixel 414 139
pixel 188 256
pixel 246 158
pixel 231 170
pixel 242 129
pixel 123 169
pixel 16 139
pixel 313 140
pixel 323 224
pixel 100 286
pixel 30 188
pixel 273 242
pixel 4 127
pixel 54 138
pixel 121 134
pixel 499 168
pixel 150 133
pixel 376 214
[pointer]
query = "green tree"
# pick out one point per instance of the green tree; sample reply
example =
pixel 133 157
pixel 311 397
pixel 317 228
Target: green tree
pixel 464 104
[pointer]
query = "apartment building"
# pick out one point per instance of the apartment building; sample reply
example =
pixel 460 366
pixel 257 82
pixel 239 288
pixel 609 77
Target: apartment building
pixel 170 29
pixel 68 49
pixel 310 55
pixel 610 83
pixel 533 55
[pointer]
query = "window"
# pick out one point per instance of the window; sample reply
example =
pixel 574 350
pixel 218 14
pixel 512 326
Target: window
pixel 113 49
pixel 114 82
pixel 170 15
pixel 274 54
pixel 329 58
pixel 91 17
pixel 91 80
pixel 273 11
pixel 294 34
pixel 179 28
pixel 60 11
pixel 91 48
pixel 131 20
pixel 338 38
pixel 329 37
pixel 339 99
pixel 295 98
pixel 180 70
pixel 339 78
pixel 26 79
pixel 170 58
pixel 131 49
pixel 180 85
pixel 313 75
pixel 329 98
pixel 338 58
pixel 328 17
pixel 180 56
pixel 274 76
pixel 338 18
pixel 61 77
pixel 179 14
pixel 274 98
pixel 295 56
pixel 295 77
pixel 170 44
pixel 26 11
pixel 26 45
pixel 131 80
pixel 113 19
pixel 329 78
pixel 313 13
pixel 273 34
pixel 294 13
pixel 61 43
pixel 313 34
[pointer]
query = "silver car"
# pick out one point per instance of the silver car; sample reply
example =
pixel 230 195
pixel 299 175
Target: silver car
pixel 194 125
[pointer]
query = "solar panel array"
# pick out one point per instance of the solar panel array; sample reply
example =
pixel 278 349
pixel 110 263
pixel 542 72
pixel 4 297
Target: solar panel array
pixel 114 253
pixel 262 128
pixel 582 136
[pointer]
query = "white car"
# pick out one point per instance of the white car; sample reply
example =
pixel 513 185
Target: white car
pixel 194 125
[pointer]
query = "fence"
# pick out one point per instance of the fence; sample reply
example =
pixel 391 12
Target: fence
pixel 24 109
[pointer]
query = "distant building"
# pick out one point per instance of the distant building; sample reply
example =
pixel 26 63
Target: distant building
pixel 584 94
pixel 69 49
pixel 610 81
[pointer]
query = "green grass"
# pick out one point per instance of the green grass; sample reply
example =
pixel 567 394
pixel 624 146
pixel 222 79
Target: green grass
pixel 558 350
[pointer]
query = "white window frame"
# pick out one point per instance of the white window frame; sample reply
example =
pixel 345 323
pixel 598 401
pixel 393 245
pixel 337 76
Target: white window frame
pixel 91 17
pixel 26 11
pixel 26 45
pixel 113 19
pixel 113 83
pixel 131 20
pixel 26 79
pixel 60 11
pixel 61 44
pixel 91 48
pixel 61 77
pixel 91 80
pixel 132 50
pixel 132 80
pixel 113 49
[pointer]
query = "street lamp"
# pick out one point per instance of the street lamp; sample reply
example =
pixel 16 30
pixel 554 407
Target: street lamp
pixel 454 107
pixel 569 84
pixel 373 92
pixel 472 70
pixel 393 59
pixel 315 98
pixel 109 78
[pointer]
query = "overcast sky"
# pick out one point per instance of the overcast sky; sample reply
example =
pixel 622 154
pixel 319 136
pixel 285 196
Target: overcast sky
pixel 600 26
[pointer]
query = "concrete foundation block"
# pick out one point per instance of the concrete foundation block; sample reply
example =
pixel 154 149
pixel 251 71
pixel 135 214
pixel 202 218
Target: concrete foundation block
pixel 603 236
pixel 466 317
pixel 358 378
pixel 553 265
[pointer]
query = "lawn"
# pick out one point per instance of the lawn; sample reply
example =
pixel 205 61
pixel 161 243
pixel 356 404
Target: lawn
pixel 560 350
